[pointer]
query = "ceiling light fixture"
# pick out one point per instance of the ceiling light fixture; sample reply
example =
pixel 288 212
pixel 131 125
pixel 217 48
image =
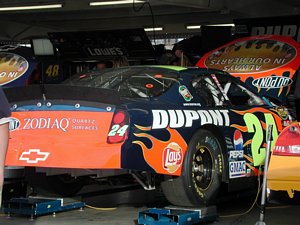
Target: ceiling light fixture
pixel 153 29
pixel 193 27
pixel 114 2
pixel 222 25
pixel 31 7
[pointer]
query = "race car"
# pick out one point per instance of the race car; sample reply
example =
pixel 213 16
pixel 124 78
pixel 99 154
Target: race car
pixel 283 173
pixel 193 131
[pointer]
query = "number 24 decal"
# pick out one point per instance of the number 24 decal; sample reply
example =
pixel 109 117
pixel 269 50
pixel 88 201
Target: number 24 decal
pixel 117 129
pixel 254 126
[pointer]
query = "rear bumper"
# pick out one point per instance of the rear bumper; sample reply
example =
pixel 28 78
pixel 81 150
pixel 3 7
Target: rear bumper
pixel 284 174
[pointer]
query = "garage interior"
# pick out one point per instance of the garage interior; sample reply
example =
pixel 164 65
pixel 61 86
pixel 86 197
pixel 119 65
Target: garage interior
pixel 119 200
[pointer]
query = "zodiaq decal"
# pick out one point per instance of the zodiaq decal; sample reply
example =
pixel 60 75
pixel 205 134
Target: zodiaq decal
pixel 186 118
pixel 12 66
pixel 272 82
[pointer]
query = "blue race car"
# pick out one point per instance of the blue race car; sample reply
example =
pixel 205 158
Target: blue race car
pixel 191 130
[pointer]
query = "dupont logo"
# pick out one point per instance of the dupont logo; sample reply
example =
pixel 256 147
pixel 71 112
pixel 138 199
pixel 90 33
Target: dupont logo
pixel 12 67
pixel 272 82
pixel 34 156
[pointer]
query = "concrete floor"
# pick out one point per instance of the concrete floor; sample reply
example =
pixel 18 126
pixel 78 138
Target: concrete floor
pixel 122 208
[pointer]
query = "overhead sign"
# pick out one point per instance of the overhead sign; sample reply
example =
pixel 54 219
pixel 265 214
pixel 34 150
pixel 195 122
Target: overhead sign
pixel 266 62
pixel 283 25
pixel 108 44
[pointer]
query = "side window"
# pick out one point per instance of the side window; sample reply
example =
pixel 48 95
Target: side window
pixel 208 91
pixel 237 94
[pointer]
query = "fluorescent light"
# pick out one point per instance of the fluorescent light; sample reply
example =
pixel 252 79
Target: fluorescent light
pixel 192 27
pixel 31 7
pixel 153 29
pixel 115 2
pixel 222 25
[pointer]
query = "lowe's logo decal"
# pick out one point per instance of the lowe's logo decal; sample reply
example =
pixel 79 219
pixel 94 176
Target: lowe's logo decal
pixel 272 82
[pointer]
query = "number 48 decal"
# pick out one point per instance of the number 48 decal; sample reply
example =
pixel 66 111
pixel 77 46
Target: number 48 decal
pixel 118 130
pixel 254 126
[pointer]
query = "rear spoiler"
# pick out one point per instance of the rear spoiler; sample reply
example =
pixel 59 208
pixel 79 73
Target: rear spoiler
pixel 61 92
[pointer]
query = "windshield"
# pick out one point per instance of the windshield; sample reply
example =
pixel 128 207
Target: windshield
pixel 131 82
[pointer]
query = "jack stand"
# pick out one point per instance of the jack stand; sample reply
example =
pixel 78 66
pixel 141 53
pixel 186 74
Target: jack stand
pixel 177 215
pixel 34 206
pixel 264 185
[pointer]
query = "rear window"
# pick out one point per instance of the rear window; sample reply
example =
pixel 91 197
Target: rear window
pixel 130 82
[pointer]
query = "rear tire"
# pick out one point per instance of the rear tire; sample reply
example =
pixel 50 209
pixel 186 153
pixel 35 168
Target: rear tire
pixel 201 175
pixel 65 184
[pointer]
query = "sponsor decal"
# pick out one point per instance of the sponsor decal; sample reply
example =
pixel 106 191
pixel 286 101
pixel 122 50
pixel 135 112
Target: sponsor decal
pixel 105 51
pixel 282 112
pixel 192 104
pixel 238 140
pixel 251 56
pixel 267 62
pixel 34 156
pixel 46 123
pixel 186 118
pixel 185 93
pixel 14 124
pixel 238 154
pixel 84 124
pixel 172 157
pixel 272 82
pixel 12 67
pixel 63 124
pixel 164 156
pixel 229 143
pixel 237 169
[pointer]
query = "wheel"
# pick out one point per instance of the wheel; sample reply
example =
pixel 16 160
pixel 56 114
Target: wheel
pixel 65 184
pixel 201 174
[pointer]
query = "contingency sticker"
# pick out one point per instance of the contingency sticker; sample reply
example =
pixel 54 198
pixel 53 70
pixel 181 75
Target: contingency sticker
pixel 185 93
pixel 237 169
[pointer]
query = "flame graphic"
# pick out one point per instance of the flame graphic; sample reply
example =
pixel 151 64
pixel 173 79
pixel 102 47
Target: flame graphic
pixel 239 127
pixel 280 90
pixel 154 155
pixel 262 110
pixel 247 142
pixel 249 158
pixel 288 90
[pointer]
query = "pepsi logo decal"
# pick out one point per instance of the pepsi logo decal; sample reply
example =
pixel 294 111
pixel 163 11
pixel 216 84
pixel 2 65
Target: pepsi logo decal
pixel 238 140
pixel 239 154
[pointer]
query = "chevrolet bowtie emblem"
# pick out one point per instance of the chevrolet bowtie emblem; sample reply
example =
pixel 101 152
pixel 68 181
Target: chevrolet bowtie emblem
pixel 34 156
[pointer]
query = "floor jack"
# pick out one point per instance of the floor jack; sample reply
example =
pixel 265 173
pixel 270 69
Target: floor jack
pixel 37 206
pixel 177 215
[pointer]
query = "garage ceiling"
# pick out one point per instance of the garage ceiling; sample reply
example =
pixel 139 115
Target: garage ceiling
pixel 173 15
